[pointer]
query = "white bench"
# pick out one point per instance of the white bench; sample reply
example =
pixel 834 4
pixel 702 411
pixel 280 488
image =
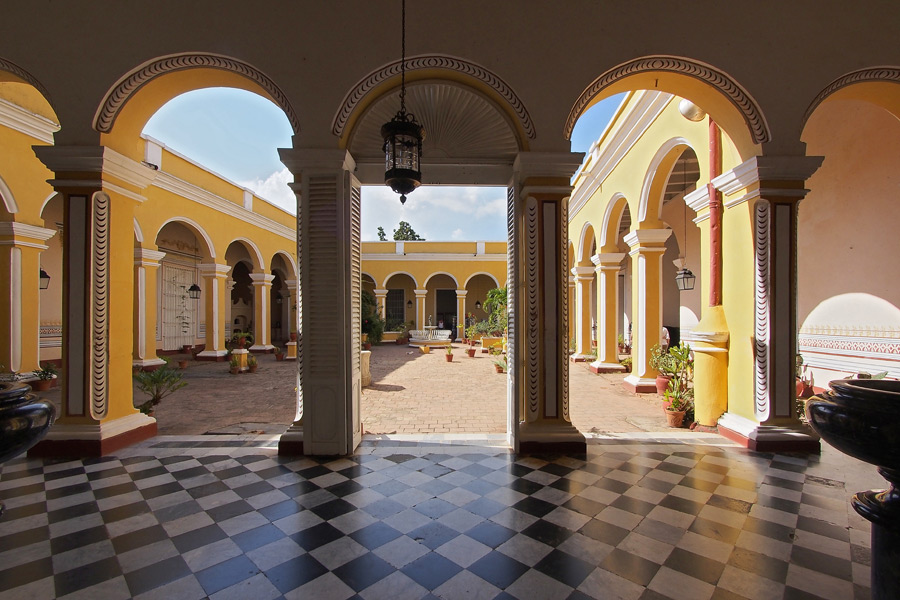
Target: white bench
pixel 429 337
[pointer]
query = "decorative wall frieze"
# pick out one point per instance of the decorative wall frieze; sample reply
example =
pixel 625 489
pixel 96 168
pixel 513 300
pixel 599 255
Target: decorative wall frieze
pixel 11 67
pixel 99 348
pixel 737 95
pixel 886 74
pixel 763 317
pixel 126 87
pixel 427 62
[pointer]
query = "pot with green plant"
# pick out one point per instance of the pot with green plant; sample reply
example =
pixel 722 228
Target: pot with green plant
pixel 252 363
pixel 664 364
pixel 449 355
pixel 626 362
pixel 234 365
pixel 242 338
pixel 279 352
pixel 500 364
pixel 45 376
pixel 158 384
pixel 679 397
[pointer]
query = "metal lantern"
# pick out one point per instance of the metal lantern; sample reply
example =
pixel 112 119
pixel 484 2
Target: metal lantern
pixel 402 136
pixel 44 280
pixel 402 152
pixel 194 291
pixel 684 279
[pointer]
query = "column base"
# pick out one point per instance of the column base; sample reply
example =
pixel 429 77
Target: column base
pixel 148 364
pixel 97 439
pixel 262 348
pixel 213 355
pixel 639 385
pixel 605 367
pixel 768 438
pixel 576 358
pixel 550 437
pixel 291 351
pixel 291 441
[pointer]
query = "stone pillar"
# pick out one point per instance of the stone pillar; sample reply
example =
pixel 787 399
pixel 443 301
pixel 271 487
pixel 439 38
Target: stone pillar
pixel 584 276
pixel 421 317
pixel 647 249
pixel 20 313
pixel 292 318
pixel 262 311
pixel 146 271
pixel 775 186
pixel 381 302
pixel 461 314
pixel 217 309
pixel 329 250
pixel 572 312
pixel 607 266
pixel 538 303
pixel 98 414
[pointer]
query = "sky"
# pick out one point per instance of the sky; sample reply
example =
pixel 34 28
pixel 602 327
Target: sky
pixel 237 134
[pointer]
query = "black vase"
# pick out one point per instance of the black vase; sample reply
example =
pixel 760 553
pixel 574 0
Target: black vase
pixel 24 420
pixel 861 417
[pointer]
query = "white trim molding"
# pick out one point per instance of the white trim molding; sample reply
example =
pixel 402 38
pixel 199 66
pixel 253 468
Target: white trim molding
pixel 24 121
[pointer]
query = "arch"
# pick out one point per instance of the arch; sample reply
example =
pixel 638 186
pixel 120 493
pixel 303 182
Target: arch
pixel 9 201
pixel 738 99
pixel 24 76
pixel 474 275
pixel 47 200
pixel 369 275
pixel 116 98
pixel 665 155
pixel 287 259
pixel 252 250
pixel 856 84
pixel 587 237
pixel 436 273
pixel 422 67
pixel 407 273
pixel 195 227
pixel 610 226
pixel 138 232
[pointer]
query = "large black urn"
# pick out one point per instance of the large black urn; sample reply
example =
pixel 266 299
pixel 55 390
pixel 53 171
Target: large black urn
pixel 24 420
pixel 861 417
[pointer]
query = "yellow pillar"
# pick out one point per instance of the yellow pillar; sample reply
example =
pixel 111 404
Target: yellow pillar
pixel 607 268
pixel 262 315
pixel 216 301
pixel 461 314
pixel 20 265
pixel 584 277
pixel 146 271
pixel 647 249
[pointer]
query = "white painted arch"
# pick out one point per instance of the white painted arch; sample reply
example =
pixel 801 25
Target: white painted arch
pixel 436 273
pixel 651 173
pixel 608 215
pixel 210 247
pixel 407 273
pixel 584 251
pixel 474 275
pixel 252 250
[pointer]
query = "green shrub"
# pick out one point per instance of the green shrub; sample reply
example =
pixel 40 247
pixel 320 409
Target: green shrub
pixel 158 384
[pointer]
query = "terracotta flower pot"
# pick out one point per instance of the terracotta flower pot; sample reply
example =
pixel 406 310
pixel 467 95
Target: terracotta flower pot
pixel 41 385
pixel 448 357
pixel 182 364
pixel 253 368
pixel 279 356
pixel 471 352
pixel 498 368
pixel 234 370
pixel 662 382
pixel 674 418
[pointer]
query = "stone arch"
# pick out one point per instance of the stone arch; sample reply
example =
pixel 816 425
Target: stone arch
pixel 288 259
pixel 425 66
pixel 657 174
pixel 436 273
pixel 715 91
pixel 195 228
pixel 612 216
pixel 252 250
pixel 387 278
pixel 9 201
pixel 476 274
pixel 586 241
pixel 138 232
pixel 47 200
pixel 863 84
pixel 124 89
pixel 16 73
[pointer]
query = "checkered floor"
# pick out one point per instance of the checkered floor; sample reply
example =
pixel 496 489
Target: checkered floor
pixel 227 518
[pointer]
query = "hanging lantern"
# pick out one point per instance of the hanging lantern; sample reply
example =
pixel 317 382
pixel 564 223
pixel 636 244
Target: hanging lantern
pixel 44 280
pixel 402 137
pixel 684 279
pixel 194 291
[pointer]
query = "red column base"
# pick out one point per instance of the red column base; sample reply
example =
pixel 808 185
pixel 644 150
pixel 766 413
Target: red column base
pixel 93 447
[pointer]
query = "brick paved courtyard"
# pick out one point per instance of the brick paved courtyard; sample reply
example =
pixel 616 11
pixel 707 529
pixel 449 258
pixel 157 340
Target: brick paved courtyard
pixel 410 393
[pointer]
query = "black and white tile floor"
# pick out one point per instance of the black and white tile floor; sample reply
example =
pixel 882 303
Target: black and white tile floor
pixel 187 517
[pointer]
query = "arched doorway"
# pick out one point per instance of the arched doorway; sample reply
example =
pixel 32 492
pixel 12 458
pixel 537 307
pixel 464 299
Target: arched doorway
pixel 179 315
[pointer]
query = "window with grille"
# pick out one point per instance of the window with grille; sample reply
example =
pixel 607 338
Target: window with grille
pixel 395 309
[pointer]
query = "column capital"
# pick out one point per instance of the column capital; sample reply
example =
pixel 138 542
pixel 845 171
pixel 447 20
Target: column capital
pixel 147 257
pixel 298 160
pixel 379 292
pixel 646 239
pixel 421 293
pixel 547 164
pixel 20 232
pixel 262 278
pixel 461 293
pixel 583 273
pixel 89 168
pixel 214 270
pixel 608 260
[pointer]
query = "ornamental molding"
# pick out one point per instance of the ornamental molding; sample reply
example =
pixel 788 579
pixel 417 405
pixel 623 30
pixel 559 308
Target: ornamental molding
pixel 433 256
pixel 14 228
pixel 736 94
pixel 886 74
pixel 11 67
pixel 763 317
pixel 636 238
pixel 431 61
pixel 99 281
pixel 126 87
pixel 17 118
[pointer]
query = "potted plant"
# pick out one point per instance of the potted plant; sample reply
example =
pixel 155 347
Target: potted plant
pixel 44 376
pixel 664 365
pixel 626 362
pixel 471 351
pixel 252 363
pixel 279 352
pixel 500 364
pixel 158 384
pixel 449 355
pixel 241 338
pixel 680 391
pixel 234 365
pixel 621 342
pixel 182 363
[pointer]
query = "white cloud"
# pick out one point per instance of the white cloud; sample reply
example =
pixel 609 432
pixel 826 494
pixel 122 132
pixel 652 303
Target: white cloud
pixel 457 234
pixel 274 188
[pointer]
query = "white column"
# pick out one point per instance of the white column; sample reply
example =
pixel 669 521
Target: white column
pixel 381 302
pixel 420 308
pixel 584 276
pixel 461 314
pixel 217 295
pixel 608 266
pixel 146 268
pixel 262 293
